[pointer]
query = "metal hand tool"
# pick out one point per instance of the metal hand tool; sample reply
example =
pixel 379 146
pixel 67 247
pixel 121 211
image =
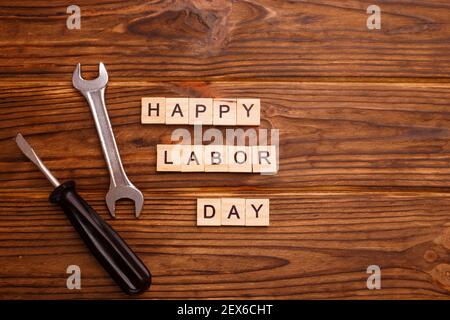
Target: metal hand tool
pixel 129 272
pixel 120 187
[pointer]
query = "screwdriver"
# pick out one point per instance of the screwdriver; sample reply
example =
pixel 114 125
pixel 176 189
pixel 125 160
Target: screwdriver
pixel 122 264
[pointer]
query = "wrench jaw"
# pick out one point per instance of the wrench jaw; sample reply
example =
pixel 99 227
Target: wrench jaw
pixel 124 192
pixel 90 85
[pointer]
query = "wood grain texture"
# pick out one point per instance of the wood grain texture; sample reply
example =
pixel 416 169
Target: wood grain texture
pixel 371 135
pixel 364 153
pixel 226 40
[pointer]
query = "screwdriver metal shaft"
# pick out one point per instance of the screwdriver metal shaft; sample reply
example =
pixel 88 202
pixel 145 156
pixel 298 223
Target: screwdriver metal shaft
pixel 123 265
pixel 29 152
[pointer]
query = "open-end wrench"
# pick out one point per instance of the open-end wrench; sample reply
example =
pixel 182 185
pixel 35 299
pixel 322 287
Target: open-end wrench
pixel 120 186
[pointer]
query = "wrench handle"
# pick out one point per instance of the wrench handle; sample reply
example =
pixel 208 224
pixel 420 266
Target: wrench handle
pixel 116 257
pixel 96 100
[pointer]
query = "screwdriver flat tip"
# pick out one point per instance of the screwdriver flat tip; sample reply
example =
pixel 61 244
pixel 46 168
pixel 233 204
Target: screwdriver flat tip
pixel 28 151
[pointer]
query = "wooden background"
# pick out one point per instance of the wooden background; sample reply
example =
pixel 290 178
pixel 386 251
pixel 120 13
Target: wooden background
pixel 364 120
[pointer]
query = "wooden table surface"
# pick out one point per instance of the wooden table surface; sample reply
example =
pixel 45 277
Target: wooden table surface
pixel 364 118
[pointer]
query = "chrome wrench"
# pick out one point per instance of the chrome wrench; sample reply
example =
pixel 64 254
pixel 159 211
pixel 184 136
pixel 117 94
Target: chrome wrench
pixel 120 186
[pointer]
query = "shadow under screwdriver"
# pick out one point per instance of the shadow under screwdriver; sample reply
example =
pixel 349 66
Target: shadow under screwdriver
pixel 123 265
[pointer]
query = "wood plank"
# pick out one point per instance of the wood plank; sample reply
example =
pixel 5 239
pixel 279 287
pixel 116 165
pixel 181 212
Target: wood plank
pixel 331 135
pixel 318 246
pixel 226 40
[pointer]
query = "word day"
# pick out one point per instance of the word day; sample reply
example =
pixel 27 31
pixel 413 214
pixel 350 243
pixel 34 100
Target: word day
pixel 232 212
pixel 216 158
pixel 205 111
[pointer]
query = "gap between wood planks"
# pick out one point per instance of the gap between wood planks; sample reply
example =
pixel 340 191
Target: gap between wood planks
pixel 211 191
pixel 17 80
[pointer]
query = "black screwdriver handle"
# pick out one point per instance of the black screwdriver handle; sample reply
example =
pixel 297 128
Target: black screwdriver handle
pixel 124 266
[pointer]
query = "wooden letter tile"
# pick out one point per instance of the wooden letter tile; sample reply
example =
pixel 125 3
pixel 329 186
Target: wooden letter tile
pixel 233 212
pixel 257 212
pixel 224 113
pixel 239 159
pixel 168 157
pixel 248 112
pixel 265 159
pixel 216 159
pixel 201 111
pixel 153 110
pixel 192 158
pixel 209 212
pixel 177 110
